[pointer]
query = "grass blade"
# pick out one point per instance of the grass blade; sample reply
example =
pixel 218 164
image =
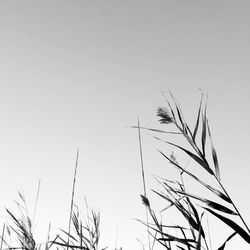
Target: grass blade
pixel 215 191
pixel 197 120
pixel 170 237
pixel 157 130
pixel 200 161
pixel 231 224
pixel 198 246
pixel 214 154
pixel 229 238
pixel 204 133
pixel 210 203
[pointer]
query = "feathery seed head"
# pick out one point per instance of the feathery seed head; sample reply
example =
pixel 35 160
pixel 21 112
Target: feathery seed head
pixel 145 201
pixel 163 113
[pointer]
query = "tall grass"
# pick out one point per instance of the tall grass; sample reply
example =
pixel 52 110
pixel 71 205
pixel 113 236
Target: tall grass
pixel 199 156
pixel 198 163
pixel 83 230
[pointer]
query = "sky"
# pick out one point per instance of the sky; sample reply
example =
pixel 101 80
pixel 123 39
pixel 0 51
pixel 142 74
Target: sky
pixel 77 74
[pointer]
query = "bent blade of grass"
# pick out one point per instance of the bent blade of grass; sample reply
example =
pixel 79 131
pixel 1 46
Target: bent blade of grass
pixel 172 203
pixel 53 241
pixel 187 215
pixel 229 238
pixel 197 120
pixel 170 237
pixel 184 235
pixel 215 191
pixel 204 133
pixel 231 224
pixel 198 246
pixel 178 110
pixel 200 161
pixel 209 203
pixel 196 215
pixel 214 154
pixel 157 130
pixel 185 128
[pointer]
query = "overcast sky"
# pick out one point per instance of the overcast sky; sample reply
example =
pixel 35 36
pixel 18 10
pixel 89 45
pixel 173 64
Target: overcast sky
pixel 77 74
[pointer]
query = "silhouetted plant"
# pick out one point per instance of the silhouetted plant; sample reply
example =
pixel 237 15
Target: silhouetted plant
pixel 85 235
pixel 193 235
pixel 86 232
pixel 20 228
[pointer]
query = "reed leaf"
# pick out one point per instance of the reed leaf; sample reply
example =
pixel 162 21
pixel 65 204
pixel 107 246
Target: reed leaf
pixel 197 120
pixel 204 133
pixel 198 246
pixel 229 238
pixel 210 203
pixel 231 224
pixel 157 130
pixel 200 161
pixel 214 154
pixel 212 189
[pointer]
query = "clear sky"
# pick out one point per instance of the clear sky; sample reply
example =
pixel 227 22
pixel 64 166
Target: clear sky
pixel 77 74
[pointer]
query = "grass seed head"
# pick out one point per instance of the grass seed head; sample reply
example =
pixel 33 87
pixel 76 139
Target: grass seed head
pixel 164 115
pixel 145 201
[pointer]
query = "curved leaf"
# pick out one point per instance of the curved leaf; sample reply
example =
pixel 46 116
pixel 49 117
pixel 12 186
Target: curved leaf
pixel 198 120
pixel 215 191
pixel 229 238
pixel 200 161
pixel 214 154
pixel 204 133
pixel 232 224
pixel 210 203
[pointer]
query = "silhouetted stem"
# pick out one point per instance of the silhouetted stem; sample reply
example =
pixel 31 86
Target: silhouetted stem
pixel 143 178
pixel 72 198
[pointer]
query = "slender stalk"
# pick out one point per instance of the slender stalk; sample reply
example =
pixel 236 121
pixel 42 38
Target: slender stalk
pixel 210 243
pixel 72 198
pixel 47 240
pixel 37 195
pixel 143 179
pixel 2 240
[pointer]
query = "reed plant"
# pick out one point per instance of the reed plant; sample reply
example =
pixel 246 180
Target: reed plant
pixel 198 164
pixel 20 231
pixel 83 230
